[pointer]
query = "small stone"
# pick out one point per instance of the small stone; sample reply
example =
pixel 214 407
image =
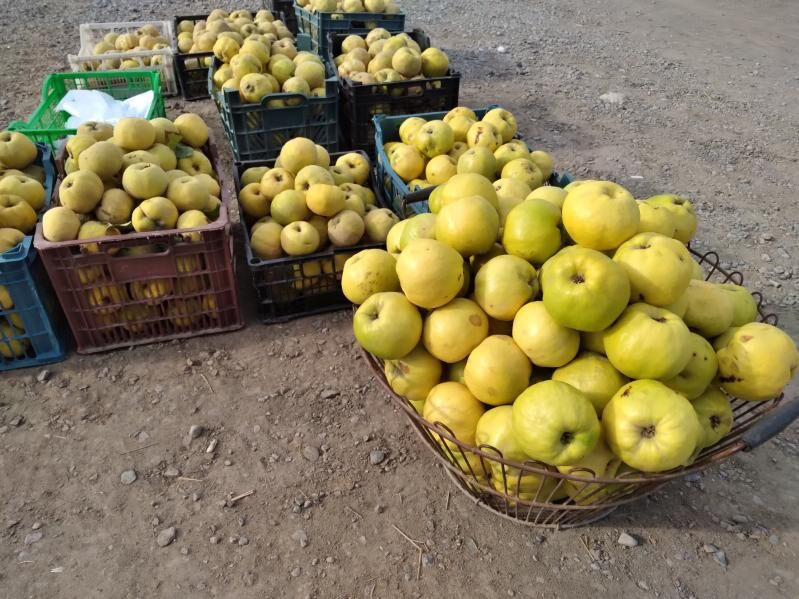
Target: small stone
pixel 502 49
pixel 296 572
pixel 214 540
pixel 627 540
pixel 693 478
pixel 774 540
pixel 142 437
pixel 128 477
pixel 721 558
pixel 642 585
pixel 243 541
pixel 740 518
pixel 43 376
pixel 228 463
pixel 376 457
pixel 709 548
pixel 615 98
pixel 310 453
pixel 171 472
pixel 155 521
pixel 329 559
pixel 184 550
pixel 301 537
pixel 16 421
pixel 211 446
pixel 36 526
pixel 196 430
pixel 329 394
pixel 33 537
pixel 166 536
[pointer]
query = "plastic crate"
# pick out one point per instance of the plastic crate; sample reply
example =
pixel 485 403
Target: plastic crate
pixel 386 130
pixel 144 288
pixel 320 24
pixel 93 33
pixel 42 338
pixel 296 286
pixel 191 68
pixel 48 125
pixel 359 103
pixel 286 10
pixel 257 131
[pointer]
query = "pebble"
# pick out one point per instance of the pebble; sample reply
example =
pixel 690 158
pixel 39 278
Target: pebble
pixel 627 540
pixel 709 548
pixel 214 540
pixel 310 453
pixel 642 585
pixel 166 536
pixel 613 98
pixel 301 537
pixel 243 541
pixel 721 558
pixel 329 394
pixel 296 572
pixel 16 421
pixel 128 477
pixel 171 472
pixel 196 430
pixel 36 526
pixel 502 49
pixel 43 376
pixel 376 457
pixel 211 446
pixel 774 540
pixel 184 550
pixel 33 537
pixel 740 518
pixel 329 559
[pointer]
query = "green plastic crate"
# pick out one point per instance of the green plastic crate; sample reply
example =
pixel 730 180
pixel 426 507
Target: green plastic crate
pixel 47 125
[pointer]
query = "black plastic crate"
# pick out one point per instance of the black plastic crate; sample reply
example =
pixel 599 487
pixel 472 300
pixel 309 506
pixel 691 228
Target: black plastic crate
pixel 358 103
pixel 257 131
pixel 286 10
pixel 320 24
pixel 192 69
pixel 295 286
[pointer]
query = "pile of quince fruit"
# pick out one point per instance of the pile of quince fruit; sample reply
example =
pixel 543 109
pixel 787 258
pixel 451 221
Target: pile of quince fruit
pixel 351 6
pixel 256 65
pixel 380 57
pixel 22 196
pixel 143 39
pixel 581 334
pixel 304 204
pixel 137 175
pixel 430 153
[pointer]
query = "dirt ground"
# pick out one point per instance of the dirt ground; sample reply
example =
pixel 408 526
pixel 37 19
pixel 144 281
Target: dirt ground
pixel 703 102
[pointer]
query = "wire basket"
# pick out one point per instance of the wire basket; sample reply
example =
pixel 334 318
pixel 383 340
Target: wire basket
pixel 494 483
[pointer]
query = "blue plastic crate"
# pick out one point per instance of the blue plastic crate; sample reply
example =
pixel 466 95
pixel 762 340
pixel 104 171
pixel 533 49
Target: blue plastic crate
pixel 319 24
pixel 395 189
pixel 23 278
pixel 257 131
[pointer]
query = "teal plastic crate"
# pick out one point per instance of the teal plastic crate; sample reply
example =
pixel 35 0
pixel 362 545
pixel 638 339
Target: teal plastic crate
pixel 257 131
pixel 48 125
pixel 31 331
pixel 320 24
pixel 395 189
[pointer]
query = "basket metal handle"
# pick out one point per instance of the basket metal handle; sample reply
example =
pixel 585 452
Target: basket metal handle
pixel 420 195
pixel 771 425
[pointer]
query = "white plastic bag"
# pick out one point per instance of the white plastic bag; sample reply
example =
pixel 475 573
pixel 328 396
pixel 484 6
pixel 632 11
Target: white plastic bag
pixel 92 105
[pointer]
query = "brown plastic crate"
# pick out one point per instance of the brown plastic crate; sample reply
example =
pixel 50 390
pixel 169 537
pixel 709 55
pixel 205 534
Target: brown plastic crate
pixel 116 297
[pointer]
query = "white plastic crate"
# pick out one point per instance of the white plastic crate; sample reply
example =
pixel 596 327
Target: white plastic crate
pixel 93 33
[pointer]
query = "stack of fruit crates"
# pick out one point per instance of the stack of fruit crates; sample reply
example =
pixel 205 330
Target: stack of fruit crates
pixel 48 125
pixel 257 131
pixel 31 327
pixel 321 24
pixel 192 281
pixel 360 102
pixel 397 190
pixel 161 60
pixel 295 286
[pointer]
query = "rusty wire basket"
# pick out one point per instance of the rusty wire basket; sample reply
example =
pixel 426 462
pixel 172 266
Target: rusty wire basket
pixel 535 494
